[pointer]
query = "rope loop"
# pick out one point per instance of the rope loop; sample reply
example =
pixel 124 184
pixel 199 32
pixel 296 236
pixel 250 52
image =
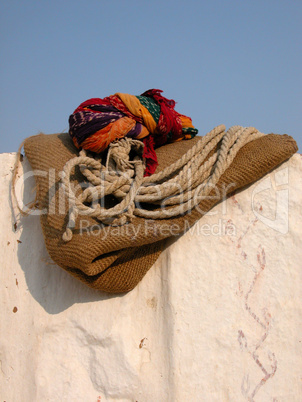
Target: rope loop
pixel 180 187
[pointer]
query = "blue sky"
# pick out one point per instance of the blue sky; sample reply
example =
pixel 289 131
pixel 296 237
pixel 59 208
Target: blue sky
pixel 224 62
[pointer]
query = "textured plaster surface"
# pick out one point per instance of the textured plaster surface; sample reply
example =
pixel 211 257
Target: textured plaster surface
pixel 217 318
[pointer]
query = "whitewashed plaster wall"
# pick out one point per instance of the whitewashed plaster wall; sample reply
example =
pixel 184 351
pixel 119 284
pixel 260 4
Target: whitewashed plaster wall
pixel 217 318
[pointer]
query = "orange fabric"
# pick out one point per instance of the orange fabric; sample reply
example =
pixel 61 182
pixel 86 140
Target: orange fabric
pixel 136 108
pixel 185 121
pixel 101 139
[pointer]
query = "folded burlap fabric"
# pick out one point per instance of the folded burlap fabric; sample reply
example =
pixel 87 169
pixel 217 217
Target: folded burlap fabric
pixel 115 258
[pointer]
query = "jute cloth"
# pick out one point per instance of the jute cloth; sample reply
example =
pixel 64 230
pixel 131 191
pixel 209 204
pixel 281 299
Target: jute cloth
pixel 115 259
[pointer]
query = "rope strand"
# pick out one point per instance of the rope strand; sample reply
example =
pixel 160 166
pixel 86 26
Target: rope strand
pixel 181 186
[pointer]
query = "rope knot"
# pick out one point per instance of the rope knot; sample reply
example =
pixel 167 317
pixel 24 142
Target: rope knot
pixel 180 186
pixel 119 155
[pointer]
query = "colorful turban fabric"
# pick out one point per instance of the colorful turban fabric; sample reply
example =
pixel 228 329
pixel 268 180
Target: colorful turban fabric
pixel 149 117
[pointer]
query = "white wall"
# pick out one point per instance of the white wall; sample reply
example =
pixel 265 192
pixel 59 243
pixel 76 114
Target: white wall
pixel 217 318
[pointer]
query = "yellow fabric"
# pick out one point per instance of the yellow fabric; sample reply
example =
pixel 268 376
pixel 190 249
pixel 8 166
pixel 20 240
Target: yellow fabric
pixel 136 108
pixel 186 121
pixel 144 132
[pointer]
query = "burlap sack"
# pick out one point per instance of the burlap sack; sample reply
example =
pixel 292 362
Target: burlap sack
pixel 115 259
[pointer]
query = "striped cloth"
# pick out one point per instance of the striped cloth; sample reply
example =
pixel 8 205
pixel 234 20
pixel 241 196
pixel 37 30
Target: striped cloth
pixel 149 117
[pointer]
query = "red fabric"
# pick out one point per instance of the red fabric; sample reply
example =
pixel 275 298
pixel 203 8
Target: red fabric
pixel 169 120
pixel 92 101
pixel 149 155
pixel 119 104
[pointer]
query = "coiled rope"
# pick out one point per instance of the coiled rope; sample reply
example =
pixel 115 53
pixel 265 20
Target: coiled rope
pixel 180 186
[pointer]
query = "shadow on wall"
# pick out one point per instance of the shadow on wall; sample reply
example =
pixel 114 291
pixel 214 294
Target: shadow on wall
pixel 52 287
